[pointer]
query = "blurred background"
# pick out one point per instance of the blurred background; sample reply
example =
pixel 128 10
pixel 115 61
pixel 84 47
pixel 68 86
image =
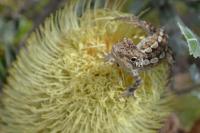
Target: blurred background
pixel 181 19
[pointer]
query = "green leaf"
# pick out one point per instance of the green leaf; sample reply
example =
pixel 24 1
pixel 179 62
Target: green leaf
pixel 2 71
pixel 25 26
pixel 192 40
pixel 190 110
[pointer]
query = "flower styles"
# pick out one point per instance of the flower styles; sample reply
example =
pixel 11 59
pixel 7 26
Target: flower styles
pixel 61 83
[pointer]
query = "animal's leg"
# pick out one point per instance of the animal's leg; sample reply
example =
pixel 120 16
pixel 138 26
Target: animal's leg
pixel 149 28
pixel 155 36
pixel 130 91
pixel 109 58
pixel 170 58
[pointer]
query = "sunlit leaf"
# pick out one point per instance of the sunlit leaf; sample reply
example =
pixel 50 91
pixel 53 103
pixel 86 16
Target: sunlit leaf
pixel 192 40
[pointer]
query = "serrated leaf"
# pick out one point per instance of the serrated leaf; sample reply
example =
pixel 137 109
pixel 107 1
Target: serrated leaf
pixel 192 40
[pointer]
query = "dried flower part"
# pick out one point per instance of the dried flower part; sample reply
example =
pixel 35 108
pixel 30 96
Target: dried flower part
pixel 172 125
pixel 195 127
pixel 61 82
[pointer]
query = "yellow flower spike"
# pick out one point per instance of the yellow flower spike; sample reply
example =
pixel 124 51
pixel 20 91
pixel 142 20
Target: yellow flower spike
pixel 61 82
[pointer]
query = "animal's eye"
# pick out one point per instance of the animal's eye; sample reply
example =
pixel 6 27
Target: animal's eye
pixel 133 59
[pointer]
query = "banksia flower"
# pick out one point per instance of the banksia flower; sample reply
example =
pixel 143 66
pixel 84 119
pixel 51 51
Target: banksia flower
pixel 61 83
